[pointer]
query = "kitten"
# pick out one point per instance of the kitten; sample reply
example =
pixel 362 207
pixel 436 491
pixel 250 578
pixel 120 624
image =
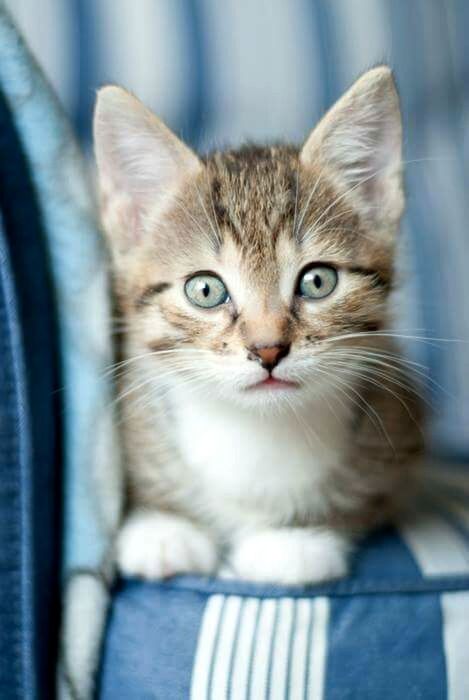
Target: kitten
pixel 266 418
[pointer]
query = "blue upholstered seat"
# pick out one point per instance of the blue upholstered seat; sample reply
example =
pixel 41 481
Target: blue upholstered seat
pixel 394 629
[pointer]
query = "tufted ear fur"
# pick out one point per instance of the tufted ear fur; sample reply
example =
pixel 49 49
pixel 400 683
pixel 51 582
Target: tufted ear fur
pixel 359 142
pixel 140 163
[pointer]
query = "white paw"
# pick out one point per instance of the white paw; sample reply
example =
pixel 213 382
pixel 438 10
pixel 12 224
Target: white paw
pixel 159 545
pixel 290 556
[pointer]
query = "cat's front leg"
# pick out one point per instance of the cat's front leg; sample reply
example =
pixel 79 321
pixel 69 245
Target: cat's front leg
pixel 290 556
pixel 154 545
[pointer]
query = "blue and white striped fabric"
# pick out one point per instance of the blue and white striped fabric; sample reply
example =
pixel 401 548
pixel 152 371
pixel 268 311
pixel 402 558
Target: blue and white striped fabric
pixel 397 628
pixel 223 72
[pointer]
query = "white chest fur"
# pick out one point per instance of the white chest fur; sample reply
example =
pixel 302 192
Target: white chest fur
pixel 259 470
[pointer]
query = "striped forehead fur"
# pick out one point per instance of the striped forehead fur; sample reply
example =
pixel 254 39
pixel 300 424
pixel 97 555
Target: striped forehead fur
pixel 257 192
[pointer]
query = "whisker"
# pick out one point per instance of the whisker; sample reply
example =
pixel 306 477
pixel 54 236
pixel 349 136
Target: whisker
pixel 194 220
pixel 366 408
pixel 392 334
pixel 305 208
pixel 345 194
pixel 412 372
pixel 385 361
pixel 380 352
pixel 366 378
pixel 297 178
pixel 110 369
pixel 308 430
pixel 220 237
pixel 216 233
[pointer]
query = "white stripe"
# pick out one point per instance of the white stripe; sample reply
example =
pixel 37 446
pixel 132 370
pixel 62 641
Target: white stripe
pixel 438 548
pixel 221 669
pixel 145 52
pixel 261 661
pixel 205 647
pixel 241 665
pixel 455 609
pixel 299 659
pixel 262 76
pixel 317 671
pixel 280 652
pixel 441 174
pixel 362 37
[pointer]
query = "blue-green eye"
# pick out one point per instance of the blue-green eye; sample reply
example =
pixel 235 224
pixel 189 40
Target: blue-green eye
pixel 206 291
pixel 317 282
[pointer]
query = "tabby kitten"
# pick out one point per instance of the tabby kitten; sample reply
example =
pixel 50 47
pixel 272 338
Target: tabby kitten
pixel 266 419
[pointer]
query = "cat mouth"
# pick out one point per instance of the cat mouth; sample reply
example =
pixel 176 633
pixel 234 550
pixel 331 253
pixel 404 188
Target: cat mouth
pixel 273 383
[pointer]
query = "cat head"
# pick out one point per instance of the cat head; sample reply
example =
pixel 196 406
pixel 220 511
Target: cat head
pixel 236 273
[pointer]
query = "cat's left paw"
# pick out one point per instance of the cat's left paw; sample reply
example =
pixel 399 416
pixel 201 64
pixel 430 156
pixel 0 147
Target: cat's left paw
pixel 290 556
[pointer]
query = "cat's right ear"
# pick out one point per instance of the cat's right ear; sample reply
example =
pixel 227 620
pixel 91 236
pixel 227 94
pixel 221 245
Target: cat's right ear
pixel 140 163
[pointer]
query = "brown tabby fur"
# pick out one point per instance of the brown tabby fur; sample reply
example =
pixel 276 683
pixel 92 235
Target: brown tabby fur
pixel 250 194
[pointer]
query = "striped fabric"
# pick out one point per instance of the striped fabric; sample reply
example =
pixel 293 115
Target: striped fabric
pixel 397 628
pixel 249 647
pixel 222 72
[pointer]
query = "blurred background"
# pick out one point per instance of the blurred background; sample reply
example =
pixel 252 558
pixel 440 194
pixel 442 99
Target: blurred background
pixel 222 72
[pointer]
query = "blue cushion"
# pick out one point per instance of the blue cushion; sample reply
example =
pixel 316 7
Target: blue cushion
pixel 394 629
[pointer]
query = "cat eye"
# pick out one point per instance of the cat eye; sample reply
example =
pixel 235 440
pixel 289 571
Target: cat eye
pixel 317 282
pixel 206 291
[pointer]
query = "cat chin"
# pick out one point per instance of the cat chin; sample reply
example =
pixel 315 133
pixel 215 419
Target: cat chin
pixel 273 398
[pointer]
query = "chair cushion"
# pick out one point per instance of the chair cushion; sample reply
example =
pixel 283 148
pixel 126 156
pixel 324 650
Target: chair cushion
pixel 396 628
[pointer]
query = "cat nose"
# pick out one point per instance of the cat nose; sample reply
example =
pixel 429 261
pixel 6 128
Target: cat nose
pixel 268 355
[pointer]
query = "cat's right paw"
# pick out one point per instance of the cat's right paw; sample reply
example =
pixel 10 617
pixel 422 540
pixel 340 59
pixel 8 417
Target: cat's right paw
pixel 158 545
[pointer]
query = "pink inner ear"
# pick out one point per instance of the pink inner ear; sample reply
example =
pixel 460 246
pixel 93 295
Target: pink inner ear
pixel 120 213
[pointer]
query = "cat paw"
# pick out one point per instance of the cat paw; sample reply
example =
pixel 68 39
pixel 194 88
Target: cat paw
pixel 290 556
pixel 159 545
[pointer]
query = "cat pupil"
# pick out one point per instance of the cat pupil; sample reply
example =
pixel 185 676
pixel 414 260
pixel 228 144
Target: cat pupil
pixel 317 281
pixel 205 290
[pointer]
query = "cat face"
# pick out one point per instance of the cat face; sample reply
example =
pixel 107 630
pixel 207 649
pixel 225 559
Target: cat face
pixel 236 273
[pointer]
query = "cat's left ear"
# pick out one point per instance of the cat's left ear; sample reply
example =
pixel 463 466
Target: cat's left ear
pixel 359 144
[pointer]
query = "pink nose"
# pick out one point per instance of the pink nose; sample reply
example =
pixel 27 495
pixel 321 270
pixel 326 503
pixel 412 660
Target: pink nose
pixel 268 355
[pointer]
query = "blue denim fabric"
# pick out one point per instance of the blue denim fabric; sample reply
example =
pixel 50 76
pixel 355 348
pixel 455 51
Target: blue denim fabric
pixel 16 677
pixel 29 450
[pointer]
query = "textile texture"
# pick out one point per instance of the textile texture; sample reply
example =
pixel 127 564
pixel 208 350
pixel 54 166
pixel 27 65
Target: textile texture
pixel 396 628
pixel 30 420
